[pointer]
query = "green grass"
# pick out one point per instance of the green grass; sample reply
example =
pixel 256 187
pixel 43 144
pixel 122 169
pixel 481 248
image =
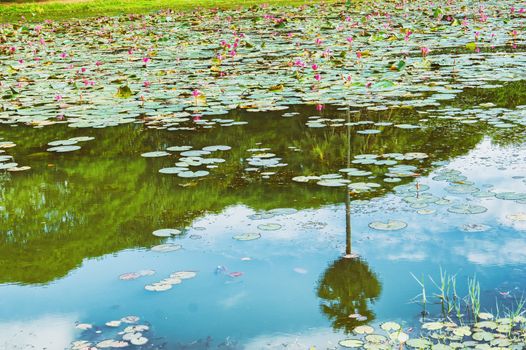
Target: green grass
pixel 35 11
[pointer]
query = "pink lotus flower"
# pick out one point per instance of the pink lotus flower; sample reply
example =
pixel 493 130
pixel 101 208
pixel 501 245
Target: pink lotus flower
pixel 63 55
pixel 145 60
pixel 319 107
pixel 196 93
pixel 314 67
pixel 58 97
pixel 88 82
pixel 424 51
pixel 318 41
pixel 317 76
pixel 299 63
pixel 350 40
pixel 146 84
pixel 359 55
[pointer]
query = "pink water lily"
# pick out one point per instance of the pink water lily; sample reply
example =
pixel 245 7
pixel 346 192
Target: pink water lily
pixel 425 51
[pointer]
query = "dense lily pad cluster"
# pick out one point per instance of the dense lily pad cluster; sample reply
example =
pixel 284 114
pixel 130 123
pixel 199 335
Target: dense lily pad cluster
pixel 114 334
pixel 6 161
pixel 174 70
pixel 488 333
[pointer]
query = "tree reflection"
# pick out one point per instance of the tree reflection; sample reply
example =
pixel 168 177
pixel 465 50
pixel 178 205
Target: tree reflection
pixel 346 289
pixel 348 285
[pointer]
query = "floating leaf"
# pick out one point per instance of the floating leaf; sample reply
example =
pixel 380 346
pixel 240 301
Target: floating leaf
pixel 351 343
pixel 63 149
pixel 390 326
pixel 158 287
pixel 390 225
pixel 363 330
pixel 247 236
pixel 269 227
pixel 467 209
pixel 166 232
pixel 419 343
pixel 167 247
pixel 155 154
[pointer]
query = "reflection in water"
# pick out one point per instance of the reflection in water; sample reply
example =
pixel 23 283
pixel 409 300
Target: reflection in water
pixel 346 289
pixel 348 285
pixel 105 197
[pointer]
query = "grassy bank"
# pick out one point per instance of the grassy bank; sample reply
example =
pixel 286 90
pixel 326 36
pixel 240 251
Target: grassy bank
pixel 64 9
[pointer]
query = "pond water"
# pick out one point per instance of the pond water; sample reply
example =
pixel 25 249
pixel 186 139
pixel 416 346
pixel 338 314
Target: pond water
pixel 78 222
pixel 279 195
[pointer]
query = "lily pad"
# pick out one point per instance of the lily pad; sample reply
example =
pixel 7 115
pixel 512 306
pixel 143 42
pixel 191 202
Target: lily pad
pixel 390 225
pixel 193 174
pixel 63 149
pixel 269 227
pixel 166 232
pixel 247 236
pixel 167 247
pixel 155 154
pixel 351 343
pixel 467 209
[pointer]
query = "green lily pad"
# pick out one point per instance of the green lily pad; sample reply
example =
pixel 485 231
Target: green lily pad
pixel 167 247
pixel 390 326
pixel 467 209
pixel 390 225
pixel 247 236
pixel 192 174
pixel 269 227
pixel 63 149
pixel 166 232
pixel 155 154
pixel 418 343
pixel 363 330
pixel 351 343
